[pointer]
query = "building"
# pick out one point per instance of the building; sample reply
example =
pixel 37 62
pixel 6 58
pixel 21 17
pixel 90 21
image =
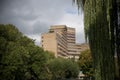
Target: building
pixel 61 41
pixel 56 40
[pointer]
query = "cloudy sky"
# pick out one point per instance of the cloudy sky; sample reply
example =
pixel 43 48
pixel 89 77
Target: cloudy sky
pixel 33 17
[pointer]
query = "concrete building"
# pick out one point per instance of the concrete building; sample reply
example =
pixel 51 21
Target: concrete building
pixel 49 42
pixel 61 41
pixel 56 40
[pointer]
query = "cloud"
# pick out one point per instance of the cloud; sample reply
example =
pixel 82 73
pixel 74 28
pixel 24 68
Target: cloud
pixel 33 17
pixel 75 21
pixel 40 27
pixel 36 37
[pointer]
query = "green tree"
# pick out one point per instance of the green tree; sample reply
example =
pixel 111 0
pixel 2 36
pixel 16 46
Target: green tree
pixel 86 63
pixel 20 58
pixel 8 35
pixel 71 69
pixel 100 18
pixel 56 68
pixel 63 68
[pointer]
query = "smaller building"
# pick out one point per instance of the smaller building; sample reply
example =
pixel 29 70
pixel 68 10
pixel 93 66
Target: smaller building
pixel 78 48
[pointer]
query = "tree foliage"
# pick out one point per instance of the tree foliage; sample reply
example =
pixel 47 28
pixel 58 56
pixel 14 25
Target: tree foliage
pixel 20 58
pixel 86 63
pixel 101 29
pixel 62 68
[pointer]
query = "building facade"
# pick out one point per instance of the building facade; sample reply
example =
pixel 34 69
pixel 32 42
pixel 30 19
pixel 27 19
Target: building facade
pixel 61 41
pixel 56 40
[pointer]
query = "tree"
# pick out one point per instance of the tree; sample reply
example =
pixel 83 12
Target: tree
pixel 20 58
pixel 85 63
pixel 71 69
pixel 99 29
pixel 63 68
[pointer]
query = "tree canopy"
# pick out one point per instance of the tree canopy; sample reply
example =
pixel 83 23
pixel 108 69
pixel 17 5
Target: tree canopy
pixel 102 32
pixel 63 69
pixel 21 59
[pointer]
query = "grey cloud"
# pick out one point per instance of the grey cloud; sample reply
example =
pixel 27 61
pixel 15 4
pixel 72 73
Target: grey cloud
pixel 40 27
pixel 33 16
pixel 22 12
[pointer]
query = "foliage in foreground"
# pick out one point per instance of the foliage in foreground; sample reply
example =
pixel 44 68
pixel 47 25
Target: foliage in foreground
pixel 86 63
pixel 101 21
pixel 63 68
pixel 21 59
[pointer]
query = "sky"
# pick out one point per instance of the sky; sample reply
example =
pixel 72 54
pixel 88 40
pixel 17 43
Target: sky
pixel 33 17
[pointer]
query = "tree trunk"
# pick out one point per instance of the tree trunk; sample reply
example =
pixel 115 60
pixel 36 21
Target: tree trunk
pixel 116 13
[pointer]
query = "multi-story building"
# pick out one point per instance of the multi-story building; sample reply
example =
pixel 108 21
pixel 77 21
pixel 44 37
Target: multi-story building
pixel 56 40
pixel 61 41
pixel 79 49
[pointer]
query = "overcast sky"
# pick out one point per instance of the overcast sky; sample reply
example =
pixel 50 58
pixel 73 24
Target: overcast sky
pixel 33 17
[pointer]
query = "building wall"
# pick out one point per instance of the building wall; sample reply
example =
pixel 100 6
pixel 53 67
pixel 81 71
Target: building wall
pixel 49 42
pixel 81 47
pixel 56 41
pixel 71 42
pixel 61 47
pixel 61 31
